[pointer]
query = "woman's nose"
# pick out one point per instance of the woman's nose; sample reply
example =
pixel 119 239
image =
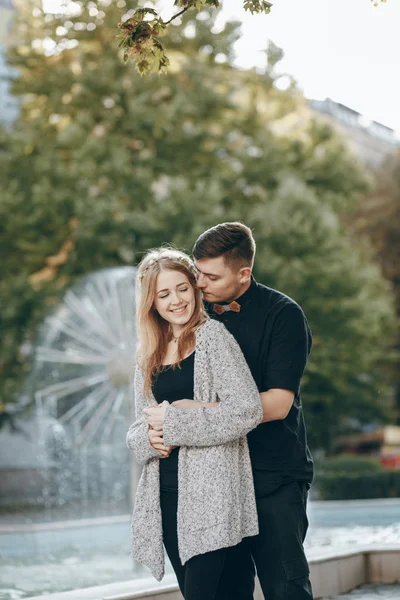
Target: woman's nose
pixel 175 299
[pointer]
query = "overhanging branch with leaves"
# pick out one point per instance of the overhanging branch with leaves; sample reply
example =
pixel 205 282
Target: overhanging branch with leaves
pixel 139 35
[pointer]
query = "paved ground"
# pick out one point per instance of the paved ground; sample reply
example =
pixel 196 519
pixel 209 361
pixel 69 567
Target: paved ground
pixel 371 592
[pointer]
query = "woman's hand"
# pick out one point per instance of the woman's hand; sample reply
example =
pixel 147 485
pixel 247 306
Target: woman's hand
pixel 157 441
pixel 155 415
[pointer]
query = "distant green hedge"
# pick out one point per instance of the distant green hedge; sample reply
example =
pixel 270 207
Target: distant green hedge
pixel 348 463
pixel 348 486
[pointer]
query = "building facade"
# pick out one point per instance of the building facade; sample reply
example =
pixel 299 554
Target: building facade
pixel 371 140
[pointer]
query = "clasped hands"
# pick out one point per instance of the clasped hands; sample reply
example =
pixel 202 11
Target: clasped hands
pixel 155 416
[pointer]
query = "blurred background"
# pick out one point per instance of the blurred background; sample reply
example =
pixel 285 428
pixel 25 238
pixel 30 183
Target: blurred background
pixel 288 122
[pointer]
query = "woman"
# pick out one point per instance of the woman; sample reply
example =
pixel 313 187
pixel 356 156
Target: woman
pixel 197 499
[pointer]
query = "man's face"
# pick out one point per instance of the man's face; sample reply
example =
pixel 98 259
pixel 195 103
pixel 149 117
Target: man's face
pixel 217 280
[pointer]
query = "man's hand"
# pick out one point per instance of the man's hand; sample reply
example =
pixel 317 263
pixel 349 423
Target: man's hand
pixel 186 404
pixel 156 440
pixel 193 404
pixel 155 415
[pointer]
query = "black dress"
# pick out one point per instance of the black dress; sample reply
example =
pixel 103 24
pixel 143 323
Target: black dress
pixel 173 383
pixel 198 579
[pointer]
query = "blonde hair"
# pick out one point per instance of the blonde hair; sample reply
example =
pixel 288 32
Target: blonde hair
pixel 153 331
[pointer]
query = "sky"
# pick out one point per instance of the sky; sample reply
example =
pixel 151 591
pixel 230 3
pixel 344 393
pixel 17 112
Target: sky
pixel 347 50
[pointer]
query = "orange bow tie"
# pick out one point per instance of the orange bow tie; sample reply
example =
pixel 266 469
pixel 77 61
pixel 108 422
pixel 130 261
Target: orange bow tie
pixel 221 308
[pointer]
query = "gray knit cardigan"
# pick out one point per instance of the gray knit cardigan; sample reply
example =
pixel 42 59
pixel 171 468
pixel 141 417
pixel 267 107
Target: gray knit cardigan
pixel 216 502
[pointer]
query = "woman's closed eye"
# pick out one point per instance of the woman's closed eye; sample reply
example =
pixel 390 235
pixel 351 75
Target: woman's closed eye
pixel 180 290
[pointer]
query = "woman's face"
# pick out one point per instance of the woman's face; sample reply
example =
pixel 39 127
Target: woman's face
pixel 174 298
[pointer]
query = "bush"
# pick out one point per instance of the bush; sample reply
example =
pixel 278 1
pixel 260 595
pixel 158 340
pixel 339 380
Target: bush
pixel 349 486
pixel 347 477
pixel 349 464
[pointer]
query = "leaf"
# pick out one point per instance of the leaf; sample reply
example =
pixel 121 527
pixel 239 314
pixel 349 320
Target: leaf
pixel 257 6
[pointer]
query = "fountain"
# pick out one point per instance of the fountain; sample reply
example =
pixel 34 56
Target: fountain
pixel 82 385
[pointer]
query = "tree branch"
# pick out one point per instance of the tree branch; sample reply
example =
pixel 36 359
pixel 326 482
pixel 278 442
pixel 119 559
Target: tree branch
pixel 177 15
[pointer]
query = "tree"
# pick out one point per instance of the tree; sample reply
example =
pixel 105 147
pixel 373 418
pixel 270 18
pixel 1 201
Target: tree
pixel 377 219
pixel 113 164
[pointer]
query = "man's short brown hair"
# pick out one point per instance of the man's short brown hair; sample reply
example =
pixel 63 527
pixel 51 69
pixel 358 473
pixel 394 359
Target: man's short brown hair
pixel 233 241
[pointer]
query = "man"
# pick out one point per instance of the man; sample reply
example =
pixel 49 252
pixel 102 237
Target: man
pixel 275 339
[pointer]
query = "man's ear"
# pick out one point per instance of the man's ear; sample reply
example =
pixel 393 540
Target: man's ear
pixel 245 274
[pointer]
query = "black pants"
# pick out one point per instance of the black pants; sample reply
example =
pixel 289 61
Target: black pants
pixel 199 577
pixel 277 552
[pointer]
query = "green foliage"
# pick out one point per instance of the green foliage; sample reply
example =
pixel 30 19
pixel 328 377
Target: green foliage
pixel 334 486
pixel 257 6
pixel 103 164
pixel 347 477
pixel 139 33
pixel 349 464
pixel 377 219
pixel 139 39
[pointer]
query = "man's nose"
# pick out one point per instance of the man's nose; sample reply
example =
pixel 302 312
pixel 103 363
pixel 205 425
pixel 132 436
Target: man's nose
pixel 200 281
